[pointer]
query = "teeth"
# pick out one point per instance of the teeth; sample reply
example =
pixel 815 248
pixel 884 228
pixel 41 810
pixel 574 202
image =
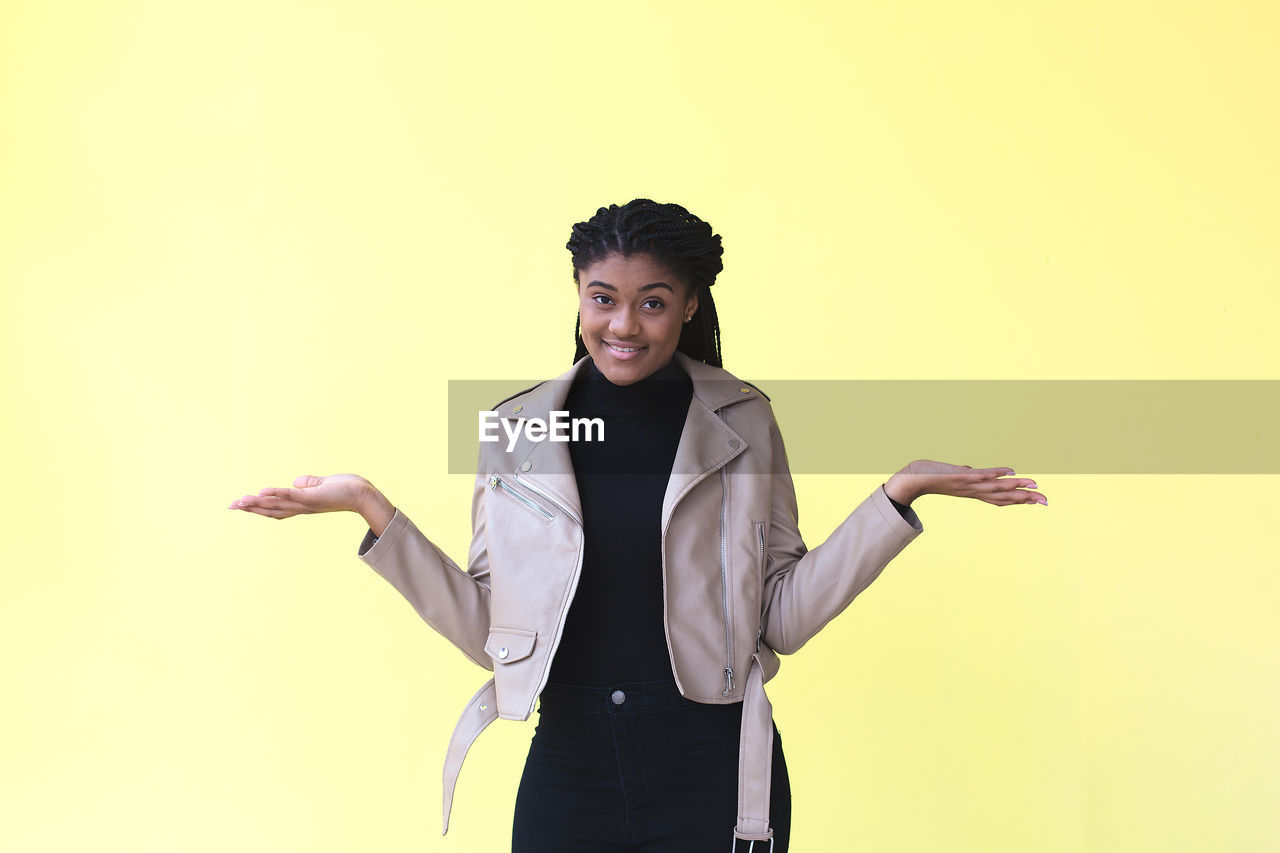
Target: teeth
pixel 620 349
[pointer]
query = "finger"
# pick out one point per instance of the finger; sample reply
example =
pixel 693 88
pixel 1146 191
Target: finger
pixel 1008 499
pixel 985 475
pixel 276 493
pixel 256 502
pixel 1008 485
pixel 1012 496
pixel 272 502
pixel 270 512
pixel 994 487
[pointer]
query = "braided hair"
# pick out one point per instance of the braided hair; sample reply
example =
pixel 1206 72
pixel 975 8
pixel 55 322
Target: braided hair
pixel 674 237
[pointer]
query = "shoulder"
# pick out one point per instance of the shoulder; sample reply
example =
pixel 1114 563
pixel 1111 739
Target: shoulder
pixel 521 393
pixel 739 384
pixel 716 381
pixel 541 393
pixel 759 390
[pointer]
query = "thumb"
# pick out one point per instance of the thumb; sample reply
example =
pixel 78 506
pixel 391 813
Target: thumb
pixel 306 481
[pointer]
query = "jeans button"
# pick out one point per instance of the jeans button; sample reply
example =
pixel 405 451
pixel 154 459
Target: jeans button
pixel 618 697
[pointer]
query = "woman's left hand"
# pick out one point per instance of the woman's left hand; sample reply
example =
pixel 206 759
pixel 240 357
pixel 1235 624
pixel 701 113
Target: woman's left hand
pixel 927 477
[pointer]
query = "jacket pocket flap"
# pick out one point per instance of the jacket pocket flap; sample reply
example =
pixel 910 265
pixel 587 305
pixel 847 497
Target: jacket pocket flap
pixel 509 644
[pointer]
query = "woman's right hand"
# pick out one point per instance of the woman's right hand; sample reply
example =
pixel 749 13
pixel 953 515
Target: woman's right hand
pixel 334 493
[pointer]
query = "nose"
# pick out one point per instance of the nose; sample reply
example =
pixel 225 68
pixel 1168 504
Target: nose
pixel 624 323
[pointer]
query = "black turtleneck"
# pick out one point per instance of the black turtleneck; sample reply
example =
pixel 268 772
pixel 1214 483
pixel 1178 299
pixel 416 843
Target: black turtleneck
pixel 614 629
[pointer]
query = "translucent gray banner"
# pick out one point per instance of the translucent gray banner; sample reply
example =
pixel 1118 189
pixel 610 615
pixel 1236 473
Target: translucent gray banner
pixel 1036 427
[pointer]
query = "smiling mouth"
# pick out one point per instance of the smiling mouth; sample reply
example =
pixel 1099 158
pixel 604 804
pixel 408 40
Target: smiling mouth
pixel 622 349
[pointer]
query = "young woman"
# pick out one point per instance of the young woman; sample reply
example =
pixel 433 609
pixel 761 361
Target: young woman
pixel 640 587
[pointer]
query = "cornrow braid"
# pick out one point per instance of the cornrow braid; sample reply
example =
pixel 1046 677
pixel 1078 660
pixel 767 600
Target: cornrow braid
pixel 674 237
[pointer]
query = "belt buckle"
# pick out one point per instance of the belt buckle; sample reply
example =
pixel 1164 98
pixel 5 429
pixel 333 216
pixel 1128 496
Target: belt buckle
pixel 751 846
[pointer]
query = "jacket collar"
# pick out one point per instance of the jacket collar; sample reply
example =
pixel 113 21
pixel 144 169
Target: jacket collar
pixel 707 443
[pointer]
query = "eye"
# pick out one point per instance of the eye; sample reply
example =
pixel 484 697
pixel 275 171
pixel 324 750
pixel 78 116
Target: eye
pixel 595 297
pixel 657 303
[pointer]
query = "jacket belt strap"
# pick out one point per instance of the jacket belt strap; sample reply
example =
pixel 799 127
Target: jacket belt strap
pixel 479 713
pixel 755 752
pixel 755 758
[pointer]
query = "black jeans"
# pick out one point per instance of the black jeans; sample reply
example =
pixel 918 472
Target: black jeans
pixel 637 767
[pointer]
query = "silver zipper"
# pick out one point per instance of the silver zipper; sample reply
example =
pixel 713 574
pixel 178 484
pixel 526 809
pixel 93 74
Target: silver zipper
pixel 724 589
pixel 543 493
pixel 495 483
pixel 760 540
pixel 577 574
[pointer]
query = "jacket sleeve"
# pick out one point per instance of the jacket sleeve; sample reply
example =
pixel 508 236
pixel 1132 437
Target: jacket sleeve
pixel 903 510
pixel 454 602
pixel 805 589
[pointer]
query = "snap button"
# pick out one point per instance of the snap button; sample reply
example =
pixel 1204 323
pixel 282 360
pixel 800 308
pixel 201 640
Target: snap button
pixel 618 697
pixel 733 442
pixel 503 652
pixel 517 410
pixel 526 465
pixel 483 707
pixel 744 389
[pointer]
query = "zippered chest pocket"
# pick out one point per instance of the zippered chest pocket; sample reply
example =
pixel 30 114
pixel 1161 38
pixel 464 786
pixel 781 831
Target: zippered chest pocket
pixel 761 564
pixel 760 552
pixel 519 498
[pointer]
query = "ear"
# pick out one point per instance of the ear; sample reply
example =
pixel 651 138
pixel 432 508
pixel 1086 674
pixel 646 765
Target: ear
pixel 691 304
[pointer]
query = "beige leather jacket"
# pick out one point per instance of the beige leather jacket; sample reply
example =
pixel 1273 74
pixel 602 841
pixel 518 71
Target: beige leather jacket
pixel 740 586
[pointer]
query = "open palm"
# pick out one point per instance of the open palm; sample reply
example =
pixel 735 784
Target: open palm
pixel 334 493
pixel 929 477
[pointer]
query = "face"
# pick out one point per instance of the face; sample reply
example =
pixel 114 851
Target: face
pixel 632 310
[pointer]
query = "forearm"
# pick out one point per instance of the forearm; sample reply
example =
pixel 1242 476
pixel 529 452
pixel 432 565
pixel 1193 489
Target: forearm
pixel 805 589
pixel 453 602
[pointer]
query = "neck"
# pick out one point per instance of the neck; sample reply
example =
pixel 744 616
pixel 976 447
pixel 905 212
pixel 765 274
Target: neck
pixel 660 385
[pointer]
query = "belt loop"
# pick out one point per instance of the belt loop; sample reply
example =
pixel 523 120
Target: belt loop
pixel 755 759
pixel 479 713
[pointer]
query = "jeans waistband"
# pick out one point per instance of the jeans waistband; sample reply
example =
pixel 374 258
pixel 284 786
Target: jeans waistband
pixel 615 698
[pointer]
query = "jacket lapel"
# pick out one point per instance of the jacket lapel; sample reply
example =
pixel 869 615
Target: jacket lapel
pixel 707 443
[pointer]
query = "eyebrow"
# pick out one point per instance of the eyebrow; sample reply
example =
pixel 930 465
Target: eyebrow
pixel 643 287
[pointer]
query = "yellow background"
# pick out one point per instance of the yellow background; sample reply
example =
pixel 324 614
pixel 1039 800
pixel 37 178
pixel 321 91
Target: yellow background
pixel 243 241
